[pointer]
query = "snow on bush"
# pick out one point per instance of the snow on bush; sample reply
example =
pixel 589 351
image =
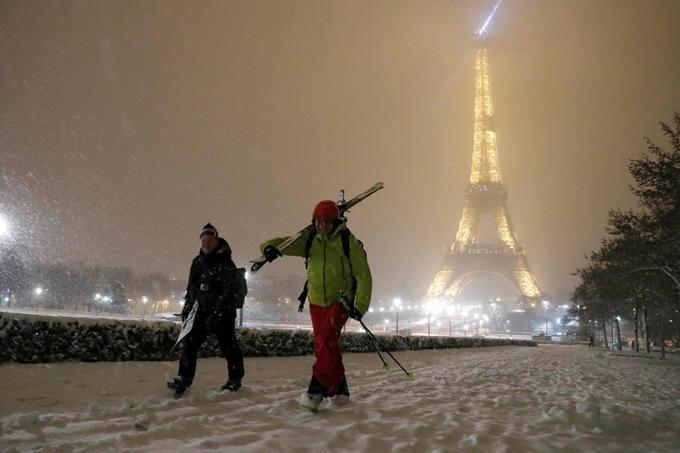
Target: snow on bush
pixel 26 339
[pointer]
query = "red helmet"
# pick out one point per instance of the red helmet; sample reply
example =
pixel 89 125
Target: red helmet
pixel 326 209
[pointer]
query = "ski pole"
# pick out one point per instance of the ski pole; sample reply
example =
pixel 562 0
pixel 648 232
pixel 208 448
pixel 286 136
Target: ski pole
pixel 377 343
pixel 386 365
pixel 370 337
pixel 374 340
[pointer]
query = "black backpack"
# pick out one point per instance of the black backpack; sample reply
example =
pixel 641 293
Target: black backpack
pixel 241 286
pixel 344 238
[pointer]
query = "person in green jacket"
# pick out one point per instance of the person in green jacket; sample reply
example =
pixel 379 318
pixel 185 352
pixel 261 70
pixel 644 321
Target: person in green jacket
pixel 332 276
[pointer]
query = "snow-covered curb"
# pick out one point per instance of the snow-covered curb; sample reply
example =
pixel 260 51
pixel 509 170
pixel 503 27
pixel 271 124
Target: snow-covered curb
pixel 30 339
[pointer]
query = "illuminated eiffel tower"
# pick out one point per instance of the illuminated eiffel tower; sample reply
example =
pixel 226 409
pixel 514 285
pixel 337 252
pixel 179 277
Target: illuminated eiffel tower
pixel 466 259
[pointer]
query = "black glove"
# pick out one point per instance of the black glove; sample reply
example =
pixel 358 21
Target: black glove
pixel 351 311
pixel 355 314
pixel 271 253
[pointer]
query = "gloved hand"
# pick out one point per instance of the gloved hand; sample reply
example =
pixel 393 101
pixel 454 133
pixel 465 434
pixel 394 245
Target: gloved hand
pixel 354 314
pixel 271 253
pixel 351 311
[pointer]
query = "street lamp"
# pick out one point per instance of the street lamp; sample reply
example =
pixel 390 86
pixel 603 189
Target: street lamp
pixel 38 291
pixel 5 234
pixel 546 304
pixel 397 304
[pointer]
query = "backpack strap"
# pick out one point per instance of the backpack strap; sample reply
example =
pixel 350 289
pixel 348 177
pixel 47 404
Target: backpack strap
pixel 308 245
pixel 344 238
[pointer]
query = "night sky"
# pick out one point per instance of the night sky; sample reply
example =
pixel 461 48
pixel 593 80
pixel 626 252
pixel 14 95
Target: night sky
pixel 127 125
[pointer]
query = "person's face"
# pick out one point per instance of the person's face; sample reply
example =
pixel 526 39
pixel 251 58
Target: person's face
pixel 323 226
pixel 208 243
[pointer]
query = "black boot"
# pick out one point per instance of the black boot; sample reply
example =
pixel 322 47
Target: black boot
pixel 232 385
pixel 179 384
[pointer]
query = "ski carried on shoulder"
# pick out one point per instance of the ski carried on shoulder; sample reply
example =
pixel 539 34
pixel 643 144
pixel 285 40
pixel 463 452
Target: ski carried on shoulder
pixel 343 207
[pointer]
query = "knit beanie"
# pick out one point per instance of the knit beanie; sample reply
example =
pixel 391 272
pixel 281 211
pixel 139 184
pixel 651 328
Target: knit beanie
pixel 209 229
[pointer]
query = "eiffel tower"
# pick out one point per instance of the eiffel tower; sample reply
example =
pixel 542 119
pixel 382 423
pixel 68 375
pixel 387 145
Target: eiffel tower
pixel 466 259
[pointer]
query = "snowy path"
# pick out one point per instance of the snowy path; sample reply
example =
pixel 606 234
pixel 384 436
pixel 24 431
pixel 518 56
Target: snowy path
pixel 494 399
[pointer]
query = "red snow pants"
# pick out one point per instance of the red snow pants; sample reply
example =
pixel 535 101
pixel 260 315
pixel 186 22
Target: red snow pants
pixel 327 323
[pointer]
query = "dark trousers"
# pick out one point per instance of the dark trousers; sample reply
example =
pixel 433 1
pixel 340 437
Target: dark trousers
pixel 224 329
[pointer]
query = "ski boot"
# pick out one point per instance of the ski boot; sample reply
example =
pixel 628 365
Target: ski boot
pixel 231 385
pixel 311 401
pixel 314 395
pixel 179 384
pixel 341 396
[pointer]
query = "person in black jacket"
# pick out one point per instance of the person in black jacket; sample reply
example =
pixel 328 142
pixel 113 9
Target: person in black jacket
pixel 212 284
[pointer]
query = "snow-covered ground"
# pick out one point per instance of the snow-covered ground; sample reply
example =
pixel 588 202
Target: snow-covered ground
pixel 543 398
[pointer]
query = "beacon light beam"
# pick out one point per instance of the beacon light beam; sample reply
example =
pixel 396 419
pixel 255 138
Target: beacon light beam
pixel 488 19
pixel 480 33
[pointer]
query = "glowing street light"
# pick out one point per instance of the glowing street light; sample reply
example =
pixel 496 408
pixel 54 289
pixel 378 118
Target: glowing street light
pixel 397 304
pixel 546 304
pixel 38 291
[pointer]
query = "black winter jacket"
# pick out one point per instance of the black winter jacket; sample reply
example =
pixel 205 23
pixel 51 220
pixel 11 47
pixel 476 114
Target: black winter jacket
pixel 212 282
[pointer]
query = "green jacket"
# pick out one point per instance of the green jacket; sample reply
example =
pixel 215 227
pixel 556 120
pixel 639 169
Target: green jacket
pixel 328 273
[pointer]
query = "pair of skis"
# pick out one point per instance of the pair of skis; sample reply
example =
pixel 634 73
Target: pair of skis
pixel 343 206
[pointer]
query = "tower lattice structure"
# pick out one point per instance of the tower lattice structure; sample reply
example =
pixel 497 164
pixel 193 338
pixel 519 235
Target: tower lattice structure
pixel 466 258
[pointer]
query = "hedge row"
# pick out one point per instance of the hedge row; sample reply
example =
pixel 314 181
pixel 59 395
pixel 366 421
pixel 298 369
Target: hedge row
pixel 27 340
